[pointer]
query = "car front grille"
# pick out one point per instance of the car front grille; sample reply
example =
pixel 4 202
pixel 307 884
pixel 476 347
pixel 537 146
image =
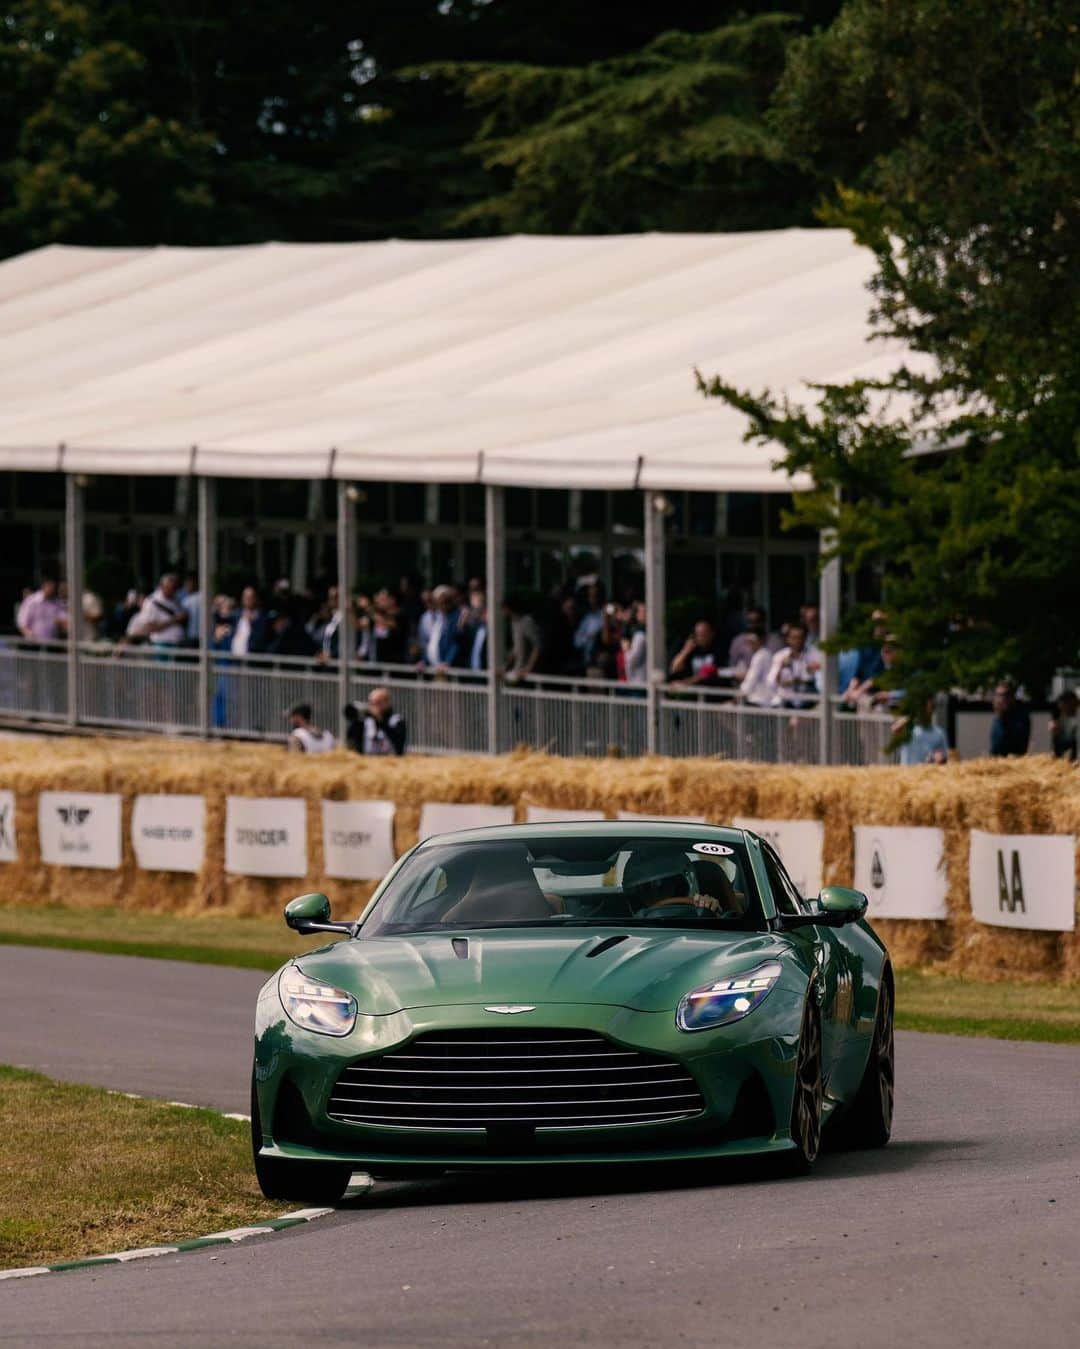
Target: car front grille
pixel 510 1078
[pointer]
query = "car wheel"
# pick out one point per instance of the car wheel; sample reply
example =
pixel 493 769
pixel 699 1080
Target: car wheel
pixel 867 1123
pixel 281 1178
pixel 809 1095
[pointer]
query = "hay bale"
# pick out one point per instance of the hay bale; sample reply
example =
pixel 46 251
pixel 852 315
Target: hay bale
pixel 1033 795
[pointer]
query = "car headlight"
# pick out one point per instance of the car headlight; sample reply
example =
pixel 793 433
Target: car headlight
pixel 728 999
pixel 316 1006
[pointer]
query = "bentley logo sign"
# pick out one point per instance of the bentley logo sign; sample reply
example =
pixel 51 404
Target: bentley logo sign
pixel 510 1007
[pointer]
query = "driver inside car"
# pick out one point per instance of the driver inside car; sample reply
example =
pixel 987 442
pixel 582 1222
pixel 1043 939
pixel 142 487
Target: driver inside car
pixel 653 882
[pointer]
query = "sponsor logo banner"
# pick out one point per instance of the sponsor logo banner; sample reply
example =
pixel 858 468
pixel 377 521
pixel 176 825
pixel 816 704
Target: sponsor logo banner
pixel 1023 880
pixel 8 852
pixel 440 817
pixel 80 829
pixel 553 814
pixel 901 871
pixel 358 839
pixel 800 844
pixel 266 836
pixel 168 832
pixel 661 819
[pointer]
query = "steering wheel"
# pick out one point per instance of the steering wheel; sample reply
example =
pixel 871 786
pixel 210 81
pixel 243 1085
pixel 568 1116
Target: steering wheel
pixel 699 906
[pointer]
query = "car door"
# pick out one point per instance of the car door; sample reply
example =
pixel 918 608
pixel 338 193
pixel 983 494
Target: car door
pixel 834 983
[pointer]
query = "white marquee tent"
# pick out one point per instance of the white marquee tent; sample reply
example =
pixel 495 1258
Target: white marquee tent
pixel 529 361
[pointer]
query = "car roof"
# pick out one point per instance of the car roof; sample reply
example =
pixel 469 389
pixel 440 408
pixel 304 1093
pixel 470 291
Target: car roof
pixel 613 829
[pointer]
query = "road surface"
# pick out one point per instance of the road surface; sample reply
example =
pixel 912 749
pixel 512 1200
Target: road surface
pixel 964 1231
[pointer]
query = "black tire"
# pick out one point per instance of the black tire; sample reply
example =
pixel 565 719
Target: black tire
pixel 280 1178
pixel 867 1122
pixel 809 1095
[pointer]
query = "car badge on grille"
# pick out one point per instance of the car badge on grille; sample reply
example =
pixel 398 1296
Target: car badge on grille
pixel 511 1007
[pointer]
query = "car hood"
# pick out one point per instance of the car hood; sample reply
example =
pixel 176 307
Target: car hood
pixel 649 971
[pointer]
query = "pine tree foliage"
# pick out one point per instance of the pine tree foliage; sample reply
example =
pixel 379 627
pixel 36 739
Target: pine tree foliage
pixel 669 137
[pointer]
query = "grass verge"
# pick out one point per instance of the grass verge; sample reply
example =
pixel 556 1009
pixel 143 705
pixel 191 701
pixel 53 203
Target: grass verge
pixel 927 1002
pixel 210 939
pixel 1008 1010
pixel 85 1172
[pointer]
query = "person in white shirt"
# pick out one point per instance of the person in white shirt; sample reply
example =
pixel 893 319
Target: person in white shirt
pixel 755 687
pixel 304 737
pixel 162 619
pixel 794 675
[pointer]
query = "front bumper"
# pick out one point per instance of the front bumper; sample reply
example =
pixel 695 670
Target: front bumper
pixel 744 1072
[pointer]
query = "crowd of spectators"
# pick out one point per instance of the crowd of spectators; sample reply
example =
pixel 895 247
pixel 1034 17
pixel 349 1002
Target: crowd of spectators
pixel 574 632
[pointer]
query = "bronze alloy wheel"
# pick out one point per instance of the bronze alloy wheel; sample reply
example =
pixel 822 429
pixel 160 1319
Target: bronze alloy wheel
pixel 884 1051
pixel 809 1091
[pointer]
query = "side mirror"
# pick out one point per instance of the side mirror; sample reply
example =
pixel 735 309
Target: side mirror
pixel 311 913
pixel 839 905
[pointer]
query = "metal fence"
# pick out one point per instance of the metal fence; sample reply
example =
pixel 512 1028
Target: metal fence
pixel 146 690
pixel 139 689
pixel 250 696
pixel 702 723
pixel 34 680
pixel 574 716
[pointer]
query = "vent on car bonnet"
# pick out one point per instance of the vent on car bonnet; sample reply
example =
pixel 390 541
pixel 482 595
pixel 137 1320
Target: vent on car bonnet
pixel 544 1079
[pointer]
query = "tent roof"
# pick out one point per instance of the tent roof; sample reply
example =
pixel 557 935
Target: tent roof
pixel 527 360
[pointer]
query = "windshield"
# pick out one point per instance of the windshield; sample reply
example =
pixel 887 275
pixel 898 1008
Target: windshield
pixel 554 882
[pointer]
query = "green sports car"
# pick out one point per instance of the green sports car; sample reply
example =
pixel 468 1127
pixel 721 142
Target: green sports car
pixel 573 994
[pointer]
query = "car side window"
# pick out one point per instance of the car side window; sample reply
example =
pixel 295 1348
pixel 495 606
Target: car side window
pixel 786 898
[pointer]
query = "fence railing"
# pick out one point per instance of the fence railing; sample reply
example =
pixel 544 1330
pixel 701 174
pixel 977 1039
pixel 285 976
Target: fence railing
pixel 158 690
pixel 574 716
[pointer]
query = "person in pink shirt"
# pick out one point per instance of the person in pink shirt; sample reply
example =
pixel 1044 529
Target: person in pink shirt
pixel 42 616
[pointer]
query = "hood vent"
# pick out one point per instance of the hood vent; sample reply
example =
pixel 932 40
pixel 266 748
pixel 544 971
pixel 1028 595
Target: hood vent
pixel 605 945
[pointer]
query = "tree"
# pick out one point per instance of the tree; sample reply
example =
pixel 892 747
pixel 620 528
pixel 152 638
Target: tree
pixel 671 136
pixel 951 130
pixel 84 156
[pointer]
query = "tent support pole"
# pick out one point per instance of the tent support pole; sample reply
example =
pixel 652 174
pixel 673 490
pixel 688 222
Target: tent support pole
pixel 829 614
pixel 655 605
pixel 207 502
pixel 74 562
pixel 346 567
pixel 495 540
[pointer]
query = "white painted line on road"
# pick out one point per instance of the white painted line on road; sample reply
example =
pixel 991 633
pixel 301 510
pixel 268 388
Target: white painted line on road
pixel 233 1235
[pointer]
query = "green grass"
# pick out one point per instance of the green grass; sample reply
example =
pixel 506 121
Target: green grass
pixel 927 1002
pixel 88 1172
pixel 210 939
pixel 1009 1010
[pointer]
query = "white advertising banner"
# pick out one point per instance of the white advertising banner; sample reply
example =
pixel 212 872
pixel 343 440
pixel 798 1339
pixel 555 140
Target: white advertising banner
pixel 901 871
pixel 440 817
pixel 266 836
pixel 801 845
pixel 358 839
pixel 8 851
pixel 1024 880
pixel 80 829
pixel 168 832
pixel 661 819
pixel 555 815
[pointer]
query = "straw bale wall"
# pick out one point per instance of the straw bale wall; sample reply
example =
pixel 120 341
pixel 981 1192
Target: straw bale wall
pixel 1035 795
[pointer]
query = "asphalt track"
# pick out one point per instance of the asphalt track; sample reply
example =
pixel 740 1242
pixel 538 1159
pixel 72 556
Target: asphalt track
pixel 964 1231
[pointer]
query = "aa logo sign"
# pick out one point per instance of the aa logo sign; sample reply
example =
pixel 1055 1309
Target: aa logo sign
pixel 1011 888
pixel 1023 880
